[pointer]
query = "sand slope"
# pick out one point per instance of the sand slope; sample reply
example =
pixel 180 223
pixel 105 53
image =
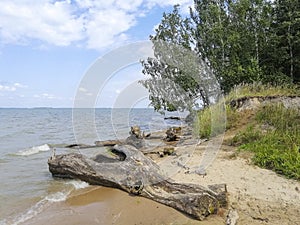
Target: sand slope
pixel 260 196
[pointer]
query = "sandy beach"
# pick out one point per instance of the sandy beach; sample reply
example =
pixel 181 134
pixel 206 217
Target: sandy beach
pixel 259 196
pixel 145 112
pixel 100 205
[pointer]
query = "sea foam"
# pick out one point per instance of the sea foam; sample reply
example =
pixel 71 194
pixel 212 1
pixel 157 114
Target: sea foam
pixel 57 197
pixel 37 208
pixel 33 150
pixel 77 184
pixel 44 203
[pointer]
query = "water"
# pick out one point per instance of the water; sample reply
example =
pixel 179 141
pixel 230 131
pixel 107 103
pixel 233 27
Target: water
pixel 27 137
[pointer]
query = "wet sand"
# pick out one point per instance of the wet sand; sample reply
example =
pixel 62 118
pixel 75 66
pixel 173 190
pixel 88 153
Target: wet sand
pixel 105 206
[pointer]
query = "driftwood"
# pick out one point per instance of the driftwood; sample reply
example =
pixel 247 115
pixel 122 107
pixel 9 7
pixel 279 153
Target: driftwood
pixel 172 118
pixel 79 146
pixel 172 134
pixel 137 174
pixel 107 143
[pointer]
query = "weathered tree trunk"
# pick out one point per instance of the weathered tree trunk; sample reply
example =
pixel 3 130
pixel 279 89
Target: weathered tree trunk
pixel 137 174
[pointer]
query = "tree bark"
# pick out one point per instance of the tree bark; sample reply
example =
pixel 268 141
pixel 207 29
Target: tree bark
pixel 139 175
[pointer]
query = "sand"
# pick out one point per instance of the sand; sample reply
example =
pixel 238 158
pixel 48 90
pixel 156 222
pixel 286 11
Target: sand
pixel 100 205
pixel 259 196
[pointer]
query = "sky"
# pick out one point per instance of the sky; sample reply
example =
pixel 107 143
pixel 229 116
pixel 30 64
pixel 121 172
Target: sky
pixel 47 47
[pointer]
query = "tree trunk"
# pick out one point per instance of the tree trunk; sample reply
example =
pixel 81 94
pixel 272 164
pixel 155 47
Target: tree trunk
pixel 139 175
pixel 291 53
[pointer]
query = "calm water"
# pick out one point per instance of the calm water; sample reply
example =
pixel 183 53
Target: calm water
pixel 26 138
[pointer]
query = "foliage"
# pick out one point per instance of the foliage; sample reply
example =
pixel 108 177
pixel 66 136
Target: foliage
pixel 277 148
pixel 257 89
pixel 179 84
pixel 282 56
pixel 241 42
pixel 177 78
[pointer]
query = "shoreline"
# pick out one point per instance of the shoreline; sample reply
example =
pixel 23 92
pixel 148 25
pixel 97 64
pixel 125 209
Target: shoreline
pixel 259 196
pixel 100 205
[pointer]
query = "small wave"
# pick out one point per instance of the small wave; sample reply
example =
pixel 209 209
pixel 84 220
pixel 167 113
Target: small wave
pixel 57 197
pixel 37 208
pixel 44 203
pixel 34 150
pixel 77 184
pixel 30 213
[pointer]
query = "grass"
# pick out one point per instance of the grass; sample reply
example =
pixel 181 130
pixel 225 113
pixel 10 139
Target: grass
pixel 274 137
pixel 271 132
pixel 215 120
pixel 262 90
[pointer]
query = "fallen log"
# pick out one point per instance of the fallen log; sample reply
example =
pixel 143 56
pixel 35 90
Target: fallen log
pixel 79 146
pixel 137 174
pixel 107 143
pixel 172 118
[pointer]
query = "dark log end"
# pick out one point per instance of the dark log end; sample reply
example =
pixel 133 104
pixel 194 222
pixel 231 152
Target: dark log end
pixel 221 194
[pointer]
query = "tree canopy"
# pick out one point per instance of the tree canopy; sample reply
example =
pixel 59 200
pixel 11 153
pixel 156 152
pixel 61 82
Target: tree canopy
pixel 235 41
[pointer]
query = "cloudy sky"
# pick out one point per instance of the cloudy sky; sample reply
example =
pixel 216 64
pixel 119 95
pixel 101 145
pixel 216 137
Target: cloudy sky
pixel 47 46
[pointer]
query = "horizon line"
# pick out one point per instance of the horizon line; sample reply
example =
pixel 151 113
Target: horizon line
pixel 73 108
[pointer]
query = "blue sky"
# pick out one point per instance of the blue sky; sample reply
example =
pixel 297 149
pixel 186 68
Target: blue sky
pixel 47 46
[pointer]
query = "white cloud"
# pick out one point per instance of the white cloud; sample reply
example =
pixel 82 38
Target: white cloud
pixel 129 5
pixel 52 23
pixel 18 85
pixel 85 91
pixel 91 23
pixel 11 87
pixel 103 29
pixel 47 96
pixel 7 88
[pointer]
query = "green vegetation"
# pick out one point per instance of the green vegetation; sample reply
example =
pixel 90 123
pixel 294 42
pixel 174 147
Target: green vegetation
pixel 271 131
pixel 274 137
pixel 241 42
pixel 174 82
pixel 262 90
pixel 243 48
pixel 216 113
pixel 215 120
